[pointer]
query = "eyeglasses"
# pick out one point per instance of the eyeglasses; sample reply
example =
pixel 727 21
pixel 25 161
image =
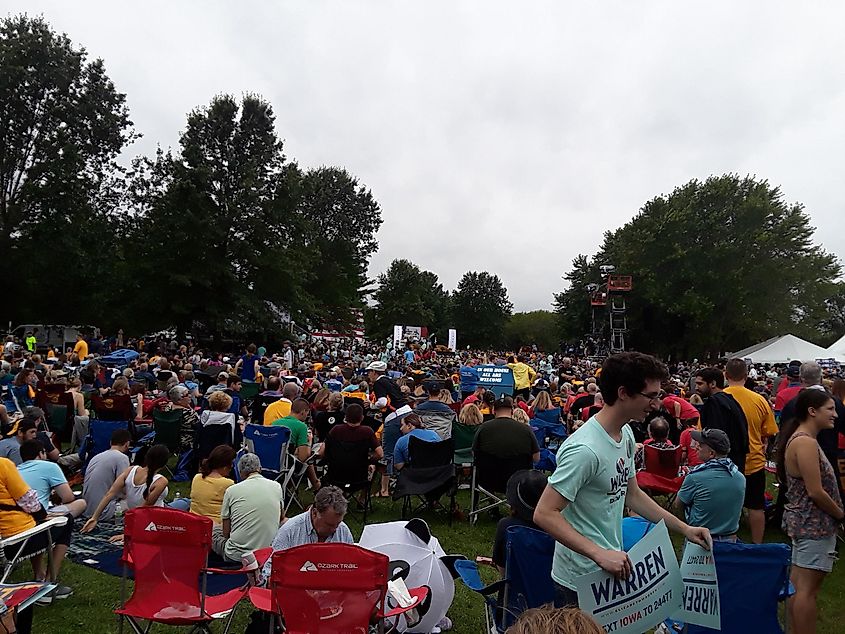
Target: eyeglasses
pixel 652 397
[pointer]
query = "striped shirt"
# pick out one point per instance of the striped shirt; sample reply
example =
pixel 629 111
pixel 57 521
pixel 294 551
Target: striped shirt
pixel 298 531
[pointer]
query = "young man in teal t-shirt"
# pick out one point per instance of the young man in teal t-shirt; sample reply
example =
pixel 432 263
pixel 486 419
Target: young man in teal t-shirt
pixel 595 479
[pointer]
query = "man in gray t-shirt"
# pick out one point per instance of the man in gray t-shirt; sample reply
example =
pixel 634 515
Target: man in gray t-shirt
pixel 103 470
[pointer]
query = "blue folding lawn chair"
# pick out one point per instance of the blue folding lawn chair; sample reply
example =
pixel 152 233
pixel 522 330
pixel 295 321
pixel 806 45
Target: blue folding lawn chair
pixel 527 582
pixel 270 444
pixel 547 426
pixel 752 579
pixel 98 438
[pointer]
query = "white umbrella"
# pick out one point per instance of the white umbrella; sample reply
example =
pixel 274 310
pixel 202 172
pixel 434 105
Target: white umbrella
pixel 400 544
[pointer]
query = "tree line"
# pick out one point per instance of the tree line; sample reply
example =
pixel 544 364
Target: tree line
pixel 224 233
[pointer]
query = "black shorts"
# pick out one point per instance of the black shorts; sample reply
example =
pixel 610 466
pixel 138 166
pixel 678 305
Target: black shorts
pixel 525 393
pixel 755 490
pixel 38 543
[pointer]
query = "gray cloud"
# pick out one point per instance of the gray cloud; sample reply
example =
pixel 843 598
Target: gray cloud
pixel 501 136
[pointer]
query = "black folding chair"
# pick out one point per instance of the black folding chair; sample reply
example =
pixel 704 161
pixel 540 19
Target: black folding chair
pixel 429 474
pixel 348 468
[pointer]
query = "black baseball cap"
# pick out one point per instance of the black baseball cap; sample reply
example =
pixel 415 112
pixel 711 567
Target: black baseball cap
pixel 716 439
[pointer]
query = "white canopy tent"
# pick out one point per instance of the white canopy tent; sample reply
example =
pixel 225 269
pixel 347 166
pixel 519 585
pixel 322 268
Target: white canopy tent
pixel 783 349
pixel 837 350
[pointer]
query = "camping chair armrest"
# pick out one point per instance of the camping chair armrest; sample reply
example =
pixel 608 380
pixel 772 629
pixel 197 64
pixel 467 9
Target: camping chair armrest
pixel 469 575
pixel 35 530
pixel 417 594
pixel 261 557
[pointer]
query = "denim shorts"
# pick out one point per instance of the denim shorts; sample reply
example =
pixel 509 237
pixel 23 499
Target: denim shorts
pixel 814 554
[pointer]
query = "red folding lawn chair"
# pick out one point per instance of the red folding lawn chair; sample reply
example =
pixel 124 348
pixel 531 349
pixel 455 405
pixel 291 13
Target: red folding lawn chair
pixel 167 551
pixel 330 589
pixel 660 476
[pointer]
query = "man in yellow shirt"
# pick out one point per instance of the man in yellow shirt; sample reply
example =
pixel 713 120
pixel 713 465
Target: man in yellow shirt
pixel 761 425
pixel 81 347
pixel 523 376
pixel 281 408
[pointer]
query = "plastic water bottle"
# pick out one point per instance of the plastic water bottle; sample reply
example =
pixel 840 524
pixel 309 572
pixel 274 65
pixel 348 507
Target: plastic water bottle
pixel 118 508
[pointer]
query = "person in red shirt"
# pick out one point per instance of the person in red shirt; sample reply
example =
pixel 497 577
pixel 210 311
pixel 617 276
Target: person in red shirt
pixel 788 389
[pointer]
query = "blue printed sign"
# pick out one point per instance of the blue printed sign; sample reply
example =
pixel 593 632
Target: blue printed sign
pixel 652 593
pixel 496 378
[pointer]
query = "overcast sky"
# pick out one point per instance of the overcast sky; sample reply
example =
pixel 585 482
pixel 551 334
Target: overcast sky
pixel 501 136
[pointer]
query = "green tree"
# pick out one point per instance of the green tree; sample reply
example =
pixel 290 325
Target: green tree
pixel 408 296
pixel 63 124
pixel 480 309
pixel 572 305
pixel 718 265
pixel 340 218
pixel 216 222
pixel 538 327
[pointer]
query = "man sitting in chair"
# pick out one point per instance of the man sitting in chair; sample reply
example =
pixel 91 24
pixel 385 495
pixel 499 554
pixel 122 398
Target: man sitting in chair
pixel 322 522
pixel 47 479
pixel 713 493
pixel 251 513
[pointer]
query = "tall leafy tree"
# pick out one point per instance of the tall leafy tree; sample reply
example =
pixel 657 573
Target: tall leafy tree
pixel 720 264
pixel 62 125
pixel 217 221
pixel 409 296
pixel 340 219
pixel 480 309
pixel 572 306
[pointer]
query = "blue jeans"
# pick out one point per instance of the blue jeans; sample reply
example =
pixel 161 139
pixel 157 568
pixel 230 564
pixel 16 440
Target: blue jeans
pixel 564 597
pixel 180 504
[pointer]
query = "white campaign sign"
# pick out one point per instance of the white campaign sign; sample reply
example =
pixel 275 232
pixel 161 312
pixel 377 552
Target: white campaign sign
pixel 397 337
pixel 453 339
pixel 701 588
pixel 652 593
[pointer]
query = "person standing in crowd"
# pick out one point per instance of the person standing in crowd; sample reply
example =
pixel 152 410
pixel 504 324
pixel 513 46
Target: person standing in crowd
pixel 248 364
pixel 713 492
pixel 761 426
pixel 721 411
pixel 523 376
pixel 813 510
pixel 595 479
pixel 788 388
pixel 387 395
pixel 81 347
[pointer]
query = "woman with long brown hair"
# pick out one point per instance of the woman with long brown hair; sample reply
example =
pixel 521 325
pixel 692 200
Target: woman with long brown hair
pixel 813 508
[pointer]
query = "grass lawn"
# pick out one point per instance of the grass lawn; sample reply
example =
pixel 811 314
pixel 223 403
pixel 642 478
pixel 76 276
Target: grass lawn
pixel 96 594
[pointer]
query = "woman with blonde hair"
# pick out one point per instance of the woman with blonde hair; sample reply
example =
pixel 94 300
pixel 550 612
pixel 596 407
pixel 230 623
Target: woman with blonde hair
pixel 542 402
pixel 520 416
pixel 470 415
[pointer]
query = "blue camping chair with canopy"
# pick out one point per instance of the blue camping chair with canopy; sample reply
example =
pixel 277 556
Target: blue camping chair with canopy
pixel 527 582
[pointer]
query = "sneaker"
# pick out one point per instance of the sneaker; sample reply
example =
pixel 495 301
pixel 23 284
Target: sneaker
pixel 62 592
pixel 444 624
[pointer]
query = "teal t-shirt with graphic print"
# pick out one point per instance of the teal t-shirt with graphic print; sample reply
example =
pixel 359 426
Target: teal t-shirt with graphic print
pixel 592 474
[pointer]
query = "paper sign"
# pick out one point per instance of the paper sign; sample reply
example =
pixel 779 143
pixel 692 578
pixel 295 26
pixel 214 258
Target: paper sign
pixel 453 339
pixel 701 588
pixel 651 594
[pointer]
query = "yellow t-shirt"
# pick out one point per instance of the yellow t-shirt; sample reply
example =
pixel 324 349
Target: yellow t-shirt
pixel 12 488
pixel 277 410
pixel 81 349
pixel 761 424
pixel 207 496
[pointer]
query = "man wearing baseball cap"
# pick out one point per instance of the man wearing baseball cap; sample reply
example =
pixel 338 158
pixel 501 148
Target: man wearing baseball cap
pixel 388 396
pixel 713 492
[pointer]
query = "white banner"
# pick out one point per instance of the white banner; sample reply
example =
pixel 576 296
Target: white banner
pixel 701 588
pixel 651 594
pixel 397 337
pixel 453 339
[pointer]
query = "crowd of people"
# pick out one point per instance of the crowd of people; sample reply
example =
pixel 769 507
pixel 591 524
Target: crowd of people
pixel 724 418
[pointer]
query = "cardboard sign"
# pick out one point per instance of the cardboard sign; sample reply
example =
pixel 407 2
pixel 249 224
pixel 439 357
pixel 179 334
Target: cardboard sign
pixel 701 588
pixel 651 594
